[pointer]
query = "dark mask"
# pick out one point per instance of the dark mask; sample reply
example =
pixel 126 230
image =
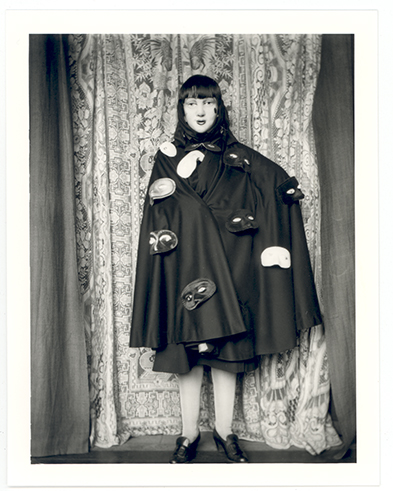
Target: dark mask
pixel 288 192
pixel 197 292
pixel 237 158
pixel 162 241
pixel 240 221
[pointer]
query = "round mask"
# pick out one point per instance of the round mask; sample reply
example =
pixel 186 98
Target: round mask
pixel 161 188
pixel 240 221
pixel 168 149
pixel 162 241
pixel 197 292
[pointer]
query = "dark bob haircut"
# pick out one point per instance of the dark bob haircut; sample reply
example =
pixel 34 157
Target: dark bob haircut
pixel 199 87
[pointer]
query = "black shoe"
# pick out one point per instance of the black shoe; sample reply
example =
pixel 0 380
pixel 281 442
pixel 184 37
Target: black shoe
pixel 184 451
pixel 231 447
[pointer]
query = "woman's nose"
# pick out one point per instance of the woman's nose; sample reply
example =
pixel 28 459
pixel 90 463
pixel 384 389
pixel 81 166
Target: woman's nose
pixel 201 108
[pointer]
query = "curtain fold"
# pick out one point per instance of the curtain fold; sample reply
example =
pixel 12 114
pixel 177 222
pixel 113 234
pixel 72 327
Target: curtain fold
pixel 333 114
pixel 124 95
pixel 59 382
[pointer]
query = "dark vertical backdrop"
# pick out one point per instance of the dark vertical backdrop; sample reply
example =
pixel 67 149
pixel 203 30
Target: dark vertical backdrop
pixel 59 384
pixel 333 120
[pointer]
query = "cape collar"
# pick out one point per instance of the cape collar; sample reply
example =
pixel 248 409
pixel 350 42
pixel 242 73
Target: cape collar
pixel 209 146
pixel 215 146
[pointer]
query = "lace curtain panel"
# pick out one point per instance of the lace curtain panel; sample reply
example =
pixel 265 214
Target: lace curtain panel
pixel 124 95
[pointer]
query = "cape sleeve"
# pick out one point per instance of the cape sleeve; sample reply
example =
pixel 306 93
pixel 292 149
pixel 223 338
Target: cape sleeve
pixel 284 232
pixel 306 300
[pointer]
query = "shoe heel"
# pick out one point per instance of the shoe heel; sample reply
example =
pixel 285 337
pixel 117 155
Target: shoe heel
pixel 218 446
pixel 218 442
pixel 230 447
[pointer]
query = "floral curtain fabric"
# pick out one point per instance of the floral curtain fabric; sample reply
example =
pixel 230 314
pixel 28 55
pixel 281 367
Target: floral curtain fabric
pixel 124 95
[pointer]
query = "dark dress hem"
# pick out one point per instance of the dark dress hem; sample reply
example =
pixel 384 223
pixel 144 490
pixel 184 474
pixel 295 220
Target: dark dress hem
pixel 176 358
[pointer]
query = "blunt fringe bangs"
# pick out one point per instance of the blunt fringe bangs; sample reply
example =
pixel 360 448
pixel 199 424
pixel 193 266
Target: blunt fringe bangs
pixel 199 87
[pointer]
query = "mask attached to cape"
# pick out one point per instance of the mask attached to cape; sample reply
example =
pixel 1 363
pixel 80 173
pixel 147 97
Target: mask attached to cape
pixel 276 256
pixel 161 188
pixel 241 221
pixel 237 158
pixel 188 164
pixel 197 292
pixel 162 241
pixel 288 192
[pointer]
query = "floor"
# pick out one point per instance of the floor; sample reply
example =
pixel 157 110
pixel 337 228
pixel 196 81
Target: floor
pixel 158 449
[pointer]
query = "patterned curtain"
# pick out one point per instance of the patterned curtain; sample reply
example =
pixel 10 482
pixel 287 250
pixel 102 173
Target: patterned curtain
pixel 124 95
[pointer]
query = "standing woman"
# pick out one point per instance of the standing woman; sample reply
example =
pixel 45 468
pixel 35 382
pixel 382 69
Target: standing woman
pixel 223 273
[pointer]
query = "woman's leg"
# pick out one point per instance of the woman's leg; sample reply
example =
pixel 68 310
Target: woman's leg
pixel 224 385
pixel 190 395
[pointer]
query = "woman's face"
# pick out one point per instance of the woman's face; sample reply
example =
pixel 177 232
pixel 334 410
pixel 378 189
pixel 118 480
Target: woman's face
pixel 200 114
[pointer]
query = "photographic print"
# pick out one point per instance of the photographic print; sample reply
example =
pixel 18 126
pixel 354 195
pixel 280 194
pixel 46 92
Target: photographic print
pixel 192 249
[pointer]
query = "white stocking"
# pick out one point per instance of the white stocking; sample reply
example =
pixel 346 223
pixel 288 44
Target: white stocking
pixel 224 385
pixel 190 398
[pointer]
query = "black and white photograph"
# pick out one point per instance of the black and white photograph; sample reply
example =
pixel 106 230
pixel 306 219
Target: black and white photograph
pixel 195 295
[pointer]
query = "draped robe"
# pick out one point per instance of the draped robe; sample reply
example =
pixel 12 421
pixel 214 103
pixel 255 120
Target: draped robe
pixel 264 290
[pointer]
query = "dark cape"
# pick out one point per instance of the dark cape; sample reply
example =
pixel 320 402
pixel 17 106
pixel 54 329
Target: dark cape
pixel 233 240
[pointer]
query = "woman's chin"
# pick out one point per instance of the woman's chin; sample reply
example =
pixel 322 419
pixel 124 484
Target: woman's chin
pixel 201 128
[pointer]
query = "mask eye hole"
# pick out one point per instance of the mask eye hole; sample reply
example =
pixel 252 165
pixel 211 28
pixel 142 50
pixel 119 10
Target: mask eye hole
pixel 291 191
pixel 236 220
pixel 250 217
pixel 165 237
pixel 201 289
